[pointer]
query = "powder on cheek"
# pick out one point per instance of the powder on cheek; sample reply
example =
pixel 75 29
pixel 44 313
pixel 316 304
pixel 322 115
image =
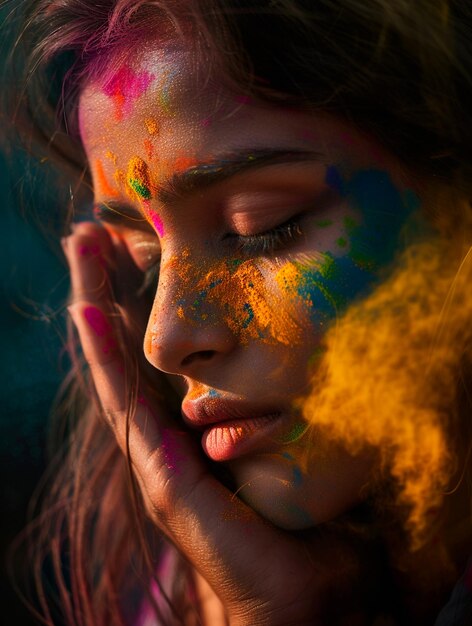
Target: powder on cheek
pixel 236 293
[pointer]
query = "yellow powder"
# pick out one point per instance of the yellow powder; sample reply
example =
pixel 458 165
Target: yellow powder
pixel 390 373
pixel 111 156
pixel 151 125
pixel 241 296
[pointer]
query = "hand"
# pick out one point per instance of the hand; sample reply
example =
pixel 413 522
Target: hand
pixel 263 576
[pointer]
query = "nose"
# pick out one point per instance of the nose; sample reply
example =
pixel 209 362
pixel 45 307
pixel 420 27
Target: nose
pixel 186 331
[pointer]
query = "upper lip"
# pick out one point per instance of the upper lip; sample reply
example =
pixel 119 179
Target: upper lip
pixel 205 411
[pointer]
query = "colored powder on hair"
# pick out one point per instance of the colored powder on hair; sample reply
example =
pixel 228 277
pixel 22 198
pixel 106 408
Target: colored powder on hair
pixel 125 87
pixel 138 178
pixel 103 185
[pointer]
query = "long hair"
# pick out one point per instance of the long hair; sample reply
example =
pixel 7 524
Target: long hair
pixel 399 71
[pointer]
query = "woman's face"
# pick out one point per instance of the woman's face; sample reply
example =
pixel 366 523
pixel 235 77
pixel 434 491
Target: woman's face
pixel 266 223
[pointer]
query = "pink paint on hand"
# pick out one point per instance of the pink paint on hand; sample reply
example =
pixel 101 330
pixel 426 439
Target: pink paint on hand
pixel 97 321
pixel 125 87
pixel 93 250
pixel 243 99
pixel 170 447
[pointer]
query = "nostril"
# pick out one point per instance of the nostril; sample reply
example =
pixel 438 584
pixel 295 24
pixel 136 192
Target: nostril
pixel 201 355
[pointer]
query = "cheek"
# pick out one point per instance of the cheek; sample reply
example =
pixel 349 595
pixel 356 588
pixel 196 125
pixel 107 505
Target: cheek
pixel 244 295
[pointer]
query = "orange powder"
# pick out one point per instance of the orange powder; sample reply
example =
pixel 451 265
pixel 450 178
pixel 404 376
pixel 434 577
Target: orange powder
pixel 149 148
pixel 238 292
pixel 111 156
pixel 103 185
pixel 182 163
pixel 138 178
pixel 151 125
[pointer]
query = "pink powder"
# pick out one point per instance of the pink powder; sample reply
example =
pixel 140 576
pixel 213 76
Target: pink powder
pixel 125 87
pixel 170 447
pixel 93 250
pixel 157 222
pixel 243 99
pixel 97 321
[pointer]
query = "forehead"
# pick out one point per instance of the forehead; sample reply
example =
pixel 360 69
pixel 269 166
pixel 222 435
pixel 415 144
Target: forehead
pixel 164 104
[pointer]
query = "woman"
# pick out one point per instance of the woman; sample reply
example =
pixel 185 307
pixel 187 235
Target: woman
pixel 282 219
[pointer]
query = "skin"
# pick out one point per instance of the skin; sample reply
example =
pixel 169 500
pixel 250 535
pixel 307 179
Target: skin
pixel 173 119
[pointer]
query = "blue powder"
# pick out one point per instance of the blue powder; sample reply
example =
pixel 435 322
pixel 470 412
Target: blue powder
pixel 374 239
pixel 250 315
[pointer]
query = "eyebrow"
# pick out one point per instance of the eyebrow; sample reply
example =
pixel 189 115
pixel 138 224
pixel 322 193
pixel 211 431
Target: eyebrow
pixel 204 175
pixel 201 176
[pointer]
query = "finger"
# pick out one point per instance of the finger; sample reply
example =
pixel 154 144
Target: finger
pixel 89 253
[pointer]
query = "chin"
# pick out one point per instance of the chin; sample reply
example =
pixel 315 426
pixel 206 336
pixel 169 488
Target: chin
pixel 266 484
pixel 276 489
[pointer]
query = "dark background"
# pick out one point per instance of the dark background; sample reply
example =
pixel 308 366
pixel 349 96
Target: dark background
pixel 33 289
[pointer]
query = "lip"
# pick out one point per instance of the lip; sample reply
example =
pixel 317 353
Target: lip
pixel 233 428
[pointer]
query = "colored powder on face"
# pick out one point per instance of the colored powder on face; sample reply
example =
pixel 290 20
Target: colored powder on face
pixel 297 476
pixel 183 163
pixel 151 125
pixel 238 295
pixel 164 96
pixel 156 221
pixel 125 87
pixel 298 430
pixel 212 393
pixel 103 185
pixel 328 287
pixel 383 210
pixel 138 178
pixel 111 156
pixel 334 179
pixel 324 223
pixel 149 148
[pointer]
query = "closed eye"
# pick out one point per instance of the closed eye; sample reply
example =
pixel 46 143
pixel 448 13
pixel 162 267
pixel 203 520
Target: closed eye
pixel 269 241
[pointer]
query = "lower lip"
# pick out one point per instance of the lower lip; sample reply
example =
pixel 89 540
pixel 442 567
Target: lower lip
pixel 234 438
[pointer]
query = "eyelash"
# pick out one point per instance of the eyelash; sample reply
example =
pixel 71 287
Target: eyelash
pixel 267 242
pixel 271 240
